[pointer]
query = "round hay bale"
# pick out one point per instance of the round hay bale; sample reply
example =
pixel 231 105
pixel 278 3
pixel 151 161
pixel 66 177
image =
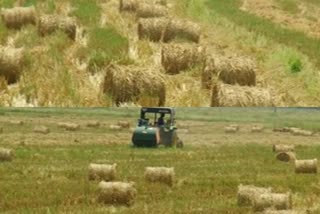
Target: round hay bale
pixel 247 194
pixel 11 63
pixel 182 29
pixel 225 95
pixel 128 5
pixel 131 84
pixel 6 154
pixel 300 132
pixel 17 122
pixel 257 128
pixel 283 148
pixel 49 24
pixel 286 156
pixel 306 166
pixel 208 73
pixel 145 10
pixel 277 201
pixel 117 193
pixel 124 124
pixel 41 130
pixel 115 127
pixel 152 29
pixel 100 172
pixel 19 16
pixel 236 71
pixel 62 125
pixel 93 124
pixel 230 129
pixel 160 175
pixel 71 126
pixel 179 57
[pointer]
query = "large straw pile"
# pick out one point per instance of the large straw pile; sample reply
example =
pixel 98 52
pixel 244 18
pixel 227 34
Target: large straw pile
pixel 179 57
pixel 224 95
pixel 236 70
pixel 11 63
pixel 152 29
pixel 117 193
pixel 248 193
pixel 151 10
pixel 277 201
pixel 18 16
pixel 49 24
pixel 159 174
pixel 131 84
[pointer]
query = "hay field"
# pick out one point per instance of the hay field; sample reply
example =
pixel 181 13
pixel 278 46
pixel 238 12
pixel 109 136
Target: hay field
pixel 49 173
pixel 69 47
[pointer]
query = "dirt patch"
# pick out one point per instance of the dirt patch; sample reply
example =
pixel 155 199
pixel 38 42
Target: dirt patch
pixel 305 19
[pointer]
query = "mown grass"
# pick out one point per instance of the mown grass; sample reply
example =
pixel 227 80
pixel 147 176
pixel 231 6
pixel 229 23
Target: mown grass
pixel 88 12
pixel 230 9
pixel 55 178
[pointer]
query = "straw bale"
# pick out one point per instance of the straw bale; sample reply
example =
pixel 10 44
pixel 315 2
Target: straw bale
pixel 257 128
pixel 160 174
pixel 300 132
pixel 284 129
pixel 19 16
pixel 131 83
pixel 93 124
pixel 115 127
pixel 49 24
pixel 6 154
pixel 270 211
pixel 117 193
pixel 306 166
pixel 124 124
pixel 247 194
pixel 277 201
pixel 128 5
pixel 179 57
pixel 225 95
pixel 286 156
pixel 41 130
pixel 11 63
pixel 146 10
pixel 17 122
pixel 70 126
pixel 283 148
pixel 182 29
pixel 100 172
pixel 152 29
pixel 230 129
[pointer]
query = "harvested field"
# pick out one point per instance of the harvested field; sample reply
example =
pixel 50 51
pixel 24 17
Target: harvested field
pixel 208 169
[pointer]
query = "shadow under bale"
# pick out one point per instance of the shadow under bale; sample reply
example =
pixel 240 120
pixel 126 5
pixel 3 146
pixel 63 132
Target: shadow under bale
pixel 49 24
pixel 19 16
pixel 225 95
pixel 140 85
pixel 11 63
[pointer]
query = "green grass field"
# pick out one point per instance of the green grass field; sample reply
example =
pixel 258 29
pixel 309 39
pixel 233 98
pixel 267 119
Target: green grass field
pixel 49 172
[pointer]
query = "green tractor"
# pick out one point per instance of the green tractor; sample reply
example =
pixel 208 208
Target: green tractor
pixel 156 126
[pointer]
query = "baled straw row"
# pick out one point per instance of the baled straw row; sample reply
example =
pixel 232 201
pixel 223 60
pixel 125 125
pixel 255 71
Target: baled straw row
pixel 19 16
pixel 130 84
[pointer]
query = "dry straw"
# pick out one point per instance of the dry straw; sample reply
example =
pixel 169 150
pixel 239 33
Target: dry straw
pixel 11 63
pixel 179 57
pixel 230 129
pixel 132 84
pixel 283 148
pixel 133 5
pixel 286 156
pixel 69 126
pixel 93 124
pixel 49 24
pixel 41 130
pixel 300 132
pixel 277 201
pixel 117 193
pixel 182 29
pixel 151 10
pixel 6 154
pixel 100 172
pixel 19 16
pixel 306 166
pixel 225 95
pixel 257 128
pixel 160 174
pixel 208 72
pixel 152 29
pixel 247 194
pixel 124 124
pixel 115 127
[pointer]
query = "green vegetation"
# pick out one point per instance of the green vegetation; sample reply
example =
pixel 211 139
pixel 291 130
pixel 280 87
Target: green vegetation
pixel 230 9
pixel 7 3
pixel 88 12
